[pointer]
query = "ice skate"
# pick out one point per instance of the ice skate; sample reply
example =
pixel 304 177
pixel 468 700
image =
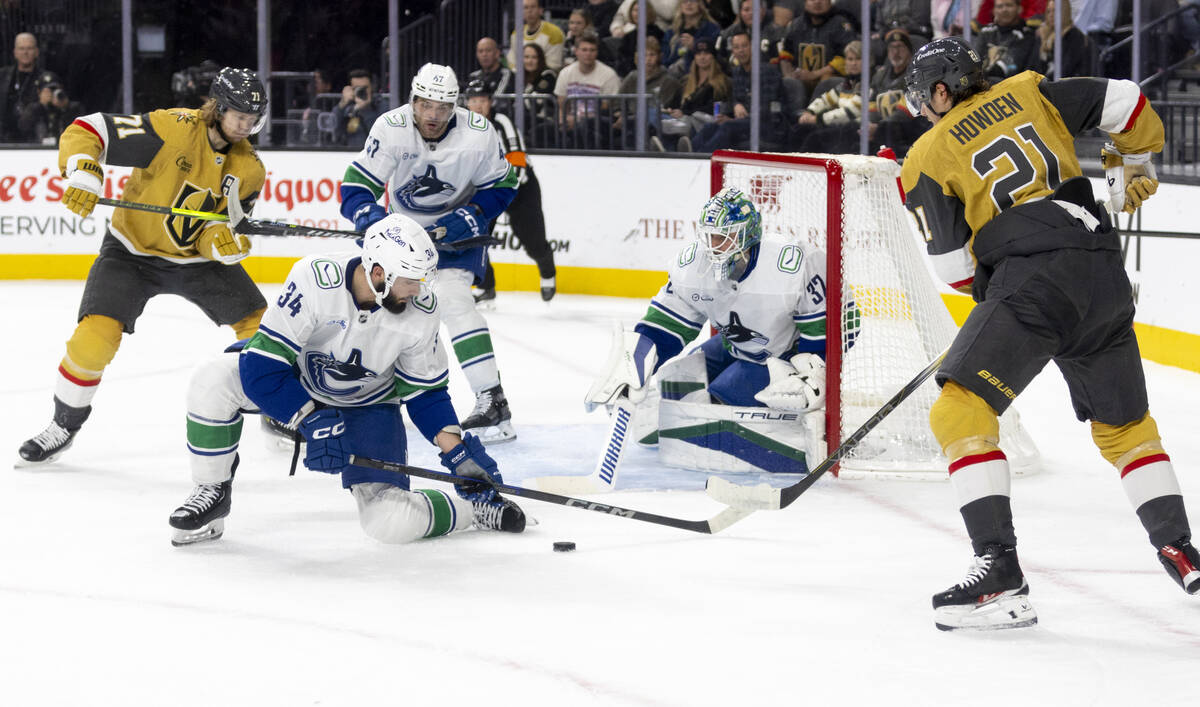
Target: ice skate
pixel 202 515
pixel 1181 560
pixel 994 595
pixel 278 435
pixel 490 420
pixel 549 287
pixel 485 298
pixel 499 514
pixel 50 443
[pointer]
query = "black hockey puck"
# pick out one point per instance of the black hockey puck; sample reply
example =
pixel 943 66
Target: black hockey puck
pixel 564 546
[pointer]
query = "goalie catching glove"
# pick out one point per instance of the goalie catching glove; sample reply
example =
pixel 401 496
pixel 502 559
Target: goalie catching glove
pixel 1131 178
pixel 797 385
pixel 631 362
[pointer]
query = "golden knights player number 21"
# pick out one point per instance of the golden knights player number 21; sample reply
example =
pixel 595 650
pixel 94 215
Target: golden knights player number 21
pixel 998 191
pixel 181 158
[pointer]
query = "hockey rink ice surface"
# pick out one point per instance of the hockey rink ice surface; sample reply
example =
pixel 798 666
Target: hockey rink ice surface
pixel 825 602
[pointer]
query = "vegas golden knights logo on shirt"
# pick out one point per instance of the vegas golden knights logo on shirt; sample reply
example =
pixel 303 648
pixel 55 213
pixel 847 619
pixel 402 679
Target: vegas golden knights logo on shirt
pixel 810 57
pixel 184 230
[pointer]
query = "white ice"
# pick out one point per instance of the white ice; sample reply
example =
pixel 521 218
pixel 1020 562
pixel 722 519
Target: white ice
pixel 825 602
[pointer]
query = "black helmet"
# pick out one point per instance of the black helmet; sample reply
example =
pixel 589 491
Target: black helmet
pixel 948 60
pixel 240 90
pixel 477 88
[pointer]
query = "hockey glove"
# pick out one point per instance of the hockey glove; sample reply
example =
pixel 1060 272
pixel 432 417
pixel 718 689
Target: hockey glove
pixel 1131 178
pixel 324 430
pixel 462 223
pixel 367 215
pixel 84 179
pixel 797 385
pixel 217 242
pixel 470 459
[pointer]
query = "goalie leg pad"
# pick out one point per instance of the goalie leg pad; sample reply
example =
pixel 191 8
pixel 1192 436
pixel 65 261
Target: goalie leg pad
pixel 393 515
pixel 710 437
pixel 214 419
pixel 738 383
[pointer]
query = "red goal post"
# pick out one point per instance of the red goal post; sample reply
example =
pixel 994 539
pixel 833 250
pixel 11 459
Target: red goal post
pixel 886 317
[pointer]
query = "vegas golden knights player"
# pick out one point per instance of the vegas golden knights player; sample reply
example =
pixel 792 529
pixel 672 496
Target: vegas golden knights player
pixel 997 190
pixel 181 158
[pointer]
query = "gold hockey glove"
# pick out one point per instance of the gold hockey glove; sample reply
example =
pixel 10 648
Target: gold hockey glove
pixel 1131 178
pixel 218 243
pixel 84 179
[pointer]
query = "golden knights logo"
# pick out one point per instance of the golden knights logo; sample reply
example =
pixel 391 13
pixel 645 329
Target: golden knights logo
pixel 810 57
pixel 183 229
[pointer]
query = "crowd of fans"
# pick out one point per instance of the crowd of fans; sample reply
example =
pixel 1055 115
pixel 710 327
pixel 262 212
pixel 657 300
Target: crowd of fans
pixel 580 67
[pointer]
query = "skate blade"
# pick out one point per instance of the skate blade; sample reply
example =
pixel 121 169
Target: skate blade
pixel 499 434
pixel 1001 613
pixel 23 463
pixel 211 531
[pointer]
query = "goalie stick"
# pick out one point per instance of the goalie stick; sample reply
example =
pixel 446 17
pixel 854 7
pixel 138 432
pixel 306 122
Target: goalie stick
pixel 254 227
pixel 765 497
pixel 727 517
pixel 603 478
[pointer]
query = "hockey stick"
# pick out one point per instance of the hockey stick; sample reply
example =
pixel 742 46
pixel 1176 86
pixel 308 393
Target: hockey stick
pixel 604 477
pixel 764 497
pixel 254 227
pixel 727 517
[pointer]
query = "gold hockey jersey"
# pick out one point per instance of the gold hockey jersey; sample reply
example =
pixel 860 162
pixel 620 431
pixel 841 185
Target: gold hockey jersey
pixel 174 165
pixel 1010 145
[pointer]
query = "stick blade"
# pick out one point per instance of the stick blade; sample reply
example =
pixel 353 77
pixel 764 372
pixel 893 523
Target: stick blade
pixel 760 497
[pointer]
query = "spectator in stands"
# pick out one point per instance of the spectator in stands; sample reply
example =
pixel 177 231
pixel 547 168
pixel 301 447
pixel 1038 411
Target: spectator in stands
pixel 1007 46
pixel 18 86
pixel 732 126
pixel 358 110
pixel 579 21
pixel 745 17
pixel 910 15
pixel 691 24
pixel 321 85
pixel 946 16
pixel 602 16
pixel 706 86
pixel 1075 53
pixel 781 16
pixel 538 77
pixel 890 77
pixel 659 82
pixel 627 44
pixel 495 77
pixel 812 50
pixel 625 20
pixel 1030 9
pixel 43 120
pixel 539 31
pixel 1096 19
pixel 539 81
pixel 840 105
pixel 585 122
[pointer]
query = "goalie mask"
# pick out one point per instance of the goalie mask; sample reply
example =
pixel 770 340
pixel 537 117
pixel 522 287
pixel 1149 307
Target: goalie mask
pixel 403 249
pixel 240 90
pixel 728 227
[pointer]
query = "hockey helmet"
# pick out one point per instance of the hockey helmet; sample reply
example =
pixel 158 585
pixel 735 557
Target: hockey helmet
pixel 728 226
pixel 240 90
pixel 476 88
pixel 436 83
pixel 950 61
pixel 402 248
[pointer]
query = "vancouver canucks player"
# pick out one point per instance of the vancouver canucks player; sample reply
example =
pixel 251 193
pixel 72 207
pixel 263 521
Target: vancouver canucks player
pixel 351 337
pixel 766 298
pixel 444 167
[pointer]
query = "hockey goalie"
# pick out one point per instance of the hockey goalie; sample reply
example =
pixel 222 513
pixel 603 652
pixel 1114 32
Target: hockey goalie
pixel 751 397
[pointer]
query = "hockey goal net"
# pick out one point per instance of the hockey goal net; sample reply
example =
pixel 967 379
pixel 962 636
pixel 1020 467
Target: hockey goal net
pixel 894 319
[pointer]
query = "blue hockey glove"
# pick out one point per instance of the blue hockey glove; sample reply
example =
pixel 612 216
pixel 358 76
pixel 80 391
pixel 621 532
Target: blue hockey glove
pixel 323 430
pixel 470 459
pixel 462 223
pixel 367 215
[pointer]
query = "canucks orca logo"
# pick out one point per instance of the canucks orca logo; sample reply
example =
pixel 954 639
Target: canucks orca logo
pixel 736 333
pixel 426 186
pixel 333 377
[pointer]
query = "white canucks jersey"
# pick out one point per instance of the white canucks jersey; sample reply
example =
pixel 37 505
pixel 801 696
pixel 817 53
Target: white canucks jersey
pixel 780 299
pixel 346 356
pixel 427 179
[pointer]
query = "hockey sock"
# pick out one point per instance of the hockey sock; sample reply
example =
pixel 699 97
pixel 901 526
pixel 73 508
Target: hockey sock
pixel 89 350
pixel 447 513
pixel 248 325
pixel 473 349
pixel 1147 476
pixel 982 483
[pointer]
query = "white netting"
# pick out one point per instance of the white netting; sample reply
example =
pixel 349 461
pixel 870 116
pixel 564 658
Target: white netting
pixel 904 323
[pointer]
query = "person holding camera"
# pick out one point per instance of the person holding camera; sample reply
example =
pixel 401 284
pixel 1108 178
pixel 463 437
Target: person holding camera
pixel 46 118
pixel 358 110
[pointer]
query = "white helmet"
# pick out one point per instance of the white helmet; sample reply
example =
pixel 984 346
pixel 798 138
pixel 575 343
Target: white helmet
pixel 402 248
pixel 435 82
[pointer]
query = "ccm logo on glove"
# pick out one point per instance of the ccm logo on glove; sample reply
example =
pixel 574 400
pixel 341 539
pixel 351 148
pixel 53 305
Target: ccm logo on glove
pixel 327 432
